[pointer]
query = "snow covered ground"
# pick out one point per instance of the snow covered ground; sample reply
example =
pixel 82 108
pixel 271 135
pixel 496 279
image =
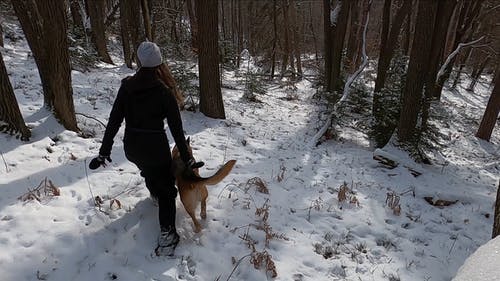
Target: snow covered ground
pixel 299 230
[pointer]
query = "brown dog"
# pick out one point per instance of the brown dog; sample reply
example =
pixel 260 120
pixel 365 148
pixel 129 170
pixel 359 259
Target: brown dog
pixel 193 188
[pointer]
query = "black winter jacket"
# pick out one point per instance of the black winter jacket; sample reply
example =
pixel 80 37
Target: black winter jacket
pixel 144 102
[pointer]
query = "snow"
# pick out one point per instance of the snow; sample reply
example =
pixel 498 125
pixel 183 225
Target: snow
pixel 483 264
pixel 300 223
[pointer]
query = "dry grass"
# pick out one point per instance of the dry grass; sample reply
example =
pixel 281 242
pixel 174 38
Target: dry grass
pixel 259 185
pixel 281 175
pixel 347 194
pixel 392 201
pixel 46 189
pixel 262 259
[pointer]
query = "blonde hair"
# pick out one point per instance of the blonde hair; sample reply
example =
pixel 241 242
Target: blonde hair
pixel 168 79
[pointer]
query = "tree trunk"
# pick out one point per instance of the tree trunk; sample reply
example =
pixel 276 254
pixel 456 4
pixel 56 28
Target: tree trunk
pixel 286 34
pixel 338 45
pixel 476 73
pixel 405 41
pixel 444 12
pixel 56 44
pixel 275 38
pixel 211 103
pixel 298 30
pixel 240 35
pixel 462 61
pixel 1 35
pixel 96 14
pixel 417 69
pixel 76 14
pixel 313 33
pixel 467 19
pixel 388 47
pixel 492 109
pixel 384 34
pixel 384 126
pixel 328 44
pixel 193 21
pixel 146 19
pixel 222 21
pixel 353 34
pixel 45 27
pixel 9 109
pixel 130 25
pixel 125 33
pixel 297 42
pixel 496 217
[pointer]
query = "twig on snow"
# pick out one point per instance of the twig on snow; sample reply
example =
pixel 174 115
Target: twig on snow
pixel 5 163
pixel 93 118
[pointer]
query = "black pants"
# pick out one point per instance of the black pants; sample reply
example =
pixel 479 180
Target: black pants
pixel 151 154
pixel 161 185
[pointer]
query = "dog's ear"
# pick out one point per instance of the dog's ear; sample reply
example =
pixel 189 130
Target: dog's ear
pixel 188 140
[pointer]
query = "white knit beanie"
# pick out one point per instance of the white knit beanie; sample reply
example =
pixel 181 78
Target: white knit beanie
pixel 149 54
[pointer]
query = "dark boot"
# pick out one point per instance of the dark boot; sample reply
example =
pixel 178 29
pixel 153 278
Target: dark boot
pixel 167 242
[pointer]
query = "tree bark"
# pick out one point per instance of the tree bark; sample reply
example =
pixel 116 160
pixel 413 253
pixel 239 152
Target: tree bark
pixel 467 20
pixel 287 54
pixel 146 19
pixel 492 108
pixel 297 42
pixel 405 41
pixel 353 34
pixel 496 217
pixel 275 38
pixel 1 35
pixel 125 33
pixel 76 14
pixel 388 46
pixel 45 27
pixel 96 14
pixel 240 35
pixel 313 33
pixel 328 44
pixel 417 69
pixel 130 28
pixel 477 71
pixel 444 13
pixel 338 45
pixel 211 103
pixel 9 109
pixel 193 21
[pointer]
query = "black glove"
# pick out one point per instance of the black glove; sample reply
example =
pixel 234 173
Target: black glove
pixel 192 164
pixel 99 161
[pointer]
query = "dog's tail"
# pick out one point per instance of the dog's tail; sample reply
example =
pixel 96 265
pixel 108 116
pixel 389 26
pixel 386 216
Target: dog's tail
pixel 216 178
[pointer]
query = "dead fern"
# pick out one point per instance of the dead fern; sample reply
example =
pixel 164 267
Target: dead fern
pixel 347 194
pixel 281 174
pixel 259 185
pixel 264 259
pixel 46 189
pixel 392 201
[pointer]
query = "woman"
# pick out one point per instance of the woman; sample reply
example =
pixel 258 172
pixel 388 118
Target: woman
pixel 144 101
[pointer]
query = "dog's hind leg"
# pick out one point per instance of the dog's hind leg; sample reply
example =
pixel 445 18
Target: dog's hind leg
pixel 203 199
pixel 203 212
pixel 197 225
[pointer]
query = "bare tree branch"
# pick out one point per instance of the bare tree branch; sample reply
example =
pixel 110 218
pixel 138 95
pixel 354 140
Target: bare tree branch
pixel 452 55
